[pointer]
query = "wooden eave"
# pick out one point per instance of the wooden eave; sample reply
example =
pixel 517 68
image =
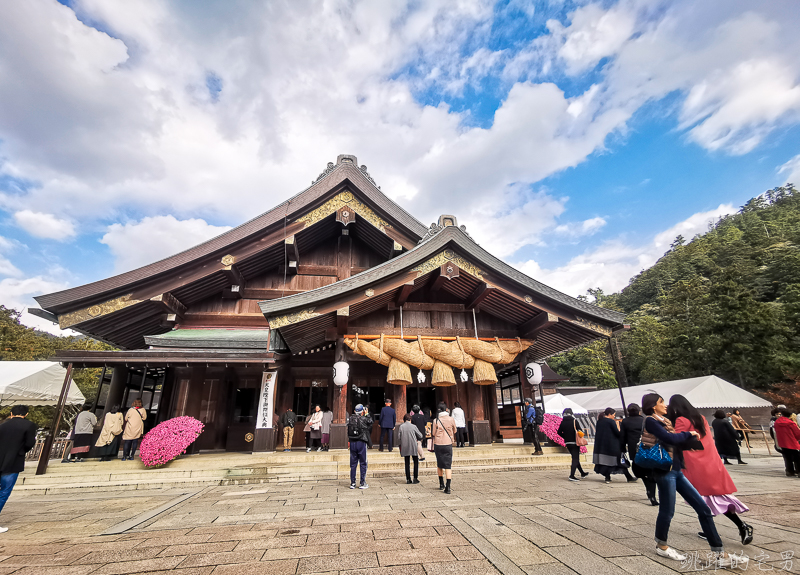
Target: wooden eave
pixel 303 319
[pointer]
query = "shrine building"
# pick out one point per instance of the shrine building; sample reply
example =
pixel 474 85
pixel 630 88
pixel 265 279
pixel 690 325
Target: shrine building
pixel 251 322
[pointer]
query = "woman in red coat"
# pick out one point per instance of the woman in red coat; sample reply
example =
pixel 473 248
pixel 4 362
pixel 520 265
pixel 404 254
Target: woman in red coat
pixel 704 468
pixel 786 436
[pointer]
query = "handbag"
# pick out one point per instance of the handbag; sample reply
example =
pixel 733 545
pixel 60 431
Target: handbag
pixel 580 440
pixel 652 457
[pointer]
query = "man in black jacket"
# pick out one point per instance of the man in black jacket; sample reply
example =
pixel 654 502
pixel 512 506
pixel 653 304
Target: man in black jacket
pixel 359 430
pixel 17 437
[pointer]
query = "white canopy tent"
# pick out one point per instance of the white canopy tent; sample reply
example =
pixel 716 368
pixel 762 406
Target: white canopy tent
pixel 556 403
pixel 35 383
pixel 707 392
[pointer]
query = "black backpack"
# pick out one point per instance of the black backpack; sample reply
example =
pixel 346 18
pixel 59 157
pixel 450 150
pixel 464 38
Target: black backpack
pixel 354 428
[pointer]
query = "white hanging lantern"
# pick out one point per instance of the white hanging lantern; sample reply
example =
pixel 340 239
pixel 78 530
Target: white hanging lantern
pixel 464 377
pixel 421 376
pixel 533 373
pixel 341 372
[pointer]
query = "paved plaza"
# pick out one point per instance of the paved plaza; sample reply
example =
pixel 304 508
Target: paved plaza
pixel 506 522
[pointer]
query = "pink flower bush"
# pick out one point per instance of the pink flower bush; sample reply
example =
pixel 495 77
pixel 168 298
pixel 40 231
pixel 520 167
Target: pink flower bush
pixel 550 429
pixel 168 440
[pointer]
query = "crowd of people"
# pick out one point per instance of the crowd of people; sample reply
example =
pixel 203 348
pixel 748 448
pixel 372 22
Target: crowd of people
pixel 672 450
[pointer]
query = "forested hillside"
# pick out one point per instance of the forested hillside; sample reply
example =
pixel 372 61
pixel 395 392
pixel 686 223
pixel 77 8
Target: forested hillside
pixel 725 303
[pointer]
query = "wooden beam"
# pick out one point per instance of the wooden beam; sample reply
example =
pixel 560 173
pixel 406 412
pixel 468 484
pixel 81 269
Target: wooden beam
pixel 292 255
pixel 170 303
pixel 368 332
pixel 421 306
pixel 208 319
pixel 233 274
pixel 402 296
pixel 539 323
pixel 481 293
pixel 342 318
pixel 262 294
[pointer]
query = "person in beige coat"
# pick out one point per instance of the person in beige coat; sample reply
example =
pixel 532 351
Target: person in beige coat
pixel 108 442
pixel 443 431
pixel 134 428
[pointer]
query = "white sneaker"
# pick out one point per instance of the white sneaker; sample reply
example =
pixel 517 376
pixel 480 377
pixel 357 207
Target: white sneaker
pixel 319 449
pixel 732 561
pixel 670 553
pixel 363 486
pixel 3 529
pixel 308 450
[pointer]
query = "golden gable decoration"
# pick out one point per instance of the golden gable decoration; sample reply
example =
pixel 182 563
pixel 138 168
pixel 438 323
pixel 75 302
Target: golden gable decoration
pixel 445 257
pixel 339 201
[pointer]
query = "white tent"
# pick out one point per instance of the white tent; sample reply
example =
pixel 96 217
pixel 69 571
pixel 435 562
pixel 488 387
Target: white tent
pixel 35 383
pixel 707 392
pixel 556 403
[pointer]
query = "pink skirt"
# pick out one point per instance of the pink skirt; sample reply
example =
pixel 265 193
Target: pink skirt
pixel 720 504
pixel 326 438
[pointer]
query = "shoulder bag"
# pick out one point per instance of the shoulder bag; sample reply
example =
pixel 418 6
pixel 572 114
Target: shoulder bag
pixel 580 440
pixel 652 457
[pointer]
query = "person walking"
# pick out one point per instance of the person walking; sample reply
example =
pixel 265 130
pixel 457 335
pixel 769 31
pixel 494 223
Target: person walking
pixel 134 429
pixel 83 431
pixel 17 437
pixel 630 430
pixel 704 469
pixel 327 419
pixel 461 424
pixel 568 430
pixel 725 438
pixel 315 429
pixel 387 421
pixel 443 429
pixel 359 431
pixel 658 429
pixel 408 436
pixel 288 419
pixel 607 456
pixel 529 427
pixel 787 435
pixel 422 422
pixel 110 434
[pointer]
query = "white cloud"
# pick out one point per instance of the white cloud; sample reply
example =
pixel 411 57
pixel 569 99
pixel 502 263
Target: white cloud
pixel 791 169
pixel 18 294
pixel 6 267
pixel 43 225
pixel 154 238
pixel 611 265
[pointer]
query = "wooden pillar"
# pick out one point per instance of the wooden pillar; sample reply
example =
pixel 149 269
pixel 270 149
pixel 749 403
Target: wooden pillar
pixel 400 406
pixel 116 389
pixel 494 414
pixel 619 370
pixel 478 427
pixel 339 425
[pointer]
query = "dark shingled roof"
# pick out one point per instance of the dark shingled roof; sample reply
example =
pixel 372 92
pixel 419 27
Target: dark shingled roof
pixel 344 171
pixel 467 248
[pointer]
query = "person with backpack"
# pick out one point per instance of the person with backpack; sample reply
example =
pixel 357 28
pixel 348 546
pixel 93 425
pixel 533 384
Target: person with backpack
pixel 288 419
pixel 530 426
pixel 359 430
pixel 443 430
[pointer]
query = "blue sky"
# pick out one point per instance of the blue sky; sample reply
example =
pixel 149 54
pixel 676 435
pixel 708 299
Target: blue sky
pixel 574 139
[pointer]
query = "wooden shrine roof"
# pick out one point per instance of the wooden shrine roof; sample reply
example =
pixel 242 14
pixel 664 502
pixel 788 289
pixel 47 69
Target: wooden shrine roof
pixel 509 295
pixel 344 174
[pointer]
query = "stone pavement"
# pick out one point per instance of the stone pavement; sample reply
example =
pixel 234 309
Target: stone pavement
pixel 507 522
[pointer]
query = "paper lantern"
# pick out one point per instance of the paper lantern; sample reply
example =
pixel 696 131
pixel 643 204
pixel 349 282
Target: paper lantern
pixel 533 373
pixel 341 372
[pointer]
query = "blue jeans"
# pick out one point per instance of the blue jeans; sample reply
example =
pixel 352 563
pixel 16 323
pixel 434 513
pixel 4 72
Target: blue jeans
pixel 668 484
pixel 129 447
pixel 7 481
pixel 358 455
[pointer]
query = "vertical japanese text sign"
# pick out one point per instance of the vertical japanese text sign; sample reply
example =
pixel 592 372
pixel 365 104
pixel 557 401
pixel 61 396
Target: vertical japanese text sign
pixel 265 402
